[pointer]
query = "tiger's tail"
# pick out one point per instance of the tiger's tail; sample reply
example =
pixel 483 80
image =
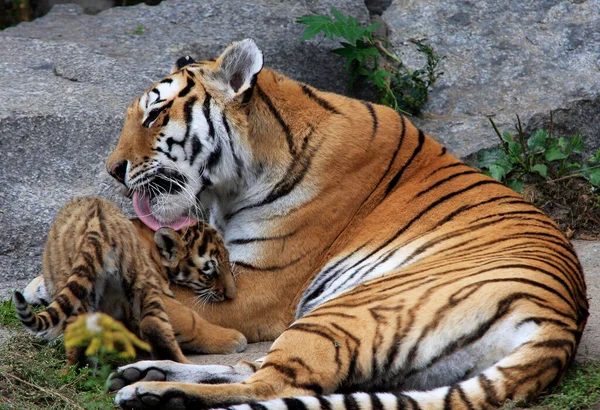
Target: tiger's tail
pixel 523 374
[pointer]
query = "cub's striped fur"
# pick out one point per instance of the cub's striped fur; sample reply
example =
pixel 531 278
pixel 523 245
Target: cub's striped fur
pixel 378 261
pixel 94 261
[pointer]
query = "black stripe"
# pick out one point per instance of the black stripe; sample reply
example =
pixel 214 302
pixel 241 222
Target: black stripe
pixel 206 110
pixel 464 397
pixel 373 117
pixel 257 406
pixel 236 159
pixel 77 290
pixel 53 315
pixel 443 181
pixel 322 102
pixel 350 402
pixel 167 81
pixel 277 115
pixel 490 392
pixel 190 84
pixel 244 241
pixel 214 157
pixel 188 110
pixel 325 404
pixel 268 268
pixel 454 164
pixel 376 403
pixel 294 404
pixel 65 305
pixel 392 184
pixel 444 150
pixel 196 148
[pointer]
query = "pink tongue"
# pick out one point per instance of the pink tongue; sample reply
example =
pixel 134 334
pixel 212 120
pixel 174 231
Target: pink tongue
pixel 141 206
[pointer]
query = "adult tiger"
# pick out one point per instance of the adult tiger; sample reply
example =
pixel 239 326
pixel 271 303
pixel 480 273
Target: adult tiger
pixel 390 264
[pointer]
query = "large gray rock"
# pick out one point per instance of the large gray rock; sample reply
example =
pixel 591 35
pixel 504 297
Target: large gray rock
pixel 67 78
pixel 504 58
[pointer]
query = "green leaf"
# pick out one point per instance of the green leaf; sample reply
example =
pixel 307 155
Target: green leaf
pixel 555 154
pixel 490 156
pixel 594 177
pixel 373 27
pixel 498 172
pixel 576 144
pixel 339 16
pixel 310 32
pixel 573 165
pixel 507 136
pixel 562 142
pixel 515 185
pixel 537 142
pixel 540 169
pixel 595 158
pixel 514 148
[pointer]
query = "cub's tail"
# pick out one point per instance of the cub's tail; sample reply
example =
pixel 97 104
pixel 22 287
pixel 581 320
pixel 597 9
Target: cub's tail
pixel 50 323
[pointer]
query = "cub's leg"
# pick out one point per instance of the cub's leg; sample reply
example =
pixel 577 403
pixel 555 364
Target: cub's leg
pixel 155 327
pixel 197 335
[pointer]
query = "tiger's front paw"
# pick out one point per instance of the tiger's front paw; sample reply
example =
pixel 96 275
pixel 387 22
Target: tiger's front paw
pixel 147 370
pixel 152 395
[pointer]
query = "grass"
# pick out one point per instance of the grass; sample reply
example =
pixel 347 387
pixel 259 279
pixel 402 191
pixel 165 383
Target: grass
pixel 32 377
pixel 32 373
pixel 8 317
pixel 579 390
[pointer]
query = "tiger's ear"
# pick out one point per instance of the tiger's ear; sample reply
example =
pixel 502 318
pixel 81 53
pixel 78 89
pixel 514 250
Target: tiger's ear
pixel 182 62
pixel 237 68
pixel 170 246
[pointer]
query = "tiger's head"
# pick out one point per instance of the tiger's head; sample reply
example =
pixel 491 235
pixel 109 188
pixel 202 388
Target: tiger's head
pixel 186 134
pixel 197 258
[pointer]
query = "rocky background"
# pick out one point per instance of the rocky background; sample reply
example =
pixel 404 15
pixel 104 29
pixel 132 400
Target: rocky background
pixel 66 79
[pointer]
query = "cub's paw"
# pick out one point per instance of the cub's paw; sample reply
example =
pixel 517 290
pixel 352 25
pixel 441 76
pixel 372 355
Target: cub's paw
pixel 216 341
pixel 232 342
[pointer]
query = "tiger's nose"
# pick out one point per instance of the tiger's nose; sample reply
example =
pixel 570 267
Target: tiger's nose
pixel 118 171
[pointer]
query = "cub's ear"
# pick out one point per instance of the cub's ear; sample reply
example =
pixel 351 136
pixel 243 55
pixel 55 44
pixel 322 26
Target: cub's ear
pixel 237 68
pixel 170 246
pixel 182 62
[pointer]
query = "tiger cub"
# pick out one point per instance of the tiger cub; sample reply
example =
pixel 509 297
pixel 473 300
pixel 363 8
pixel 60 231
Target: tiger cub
pixel 95 260
pixel 195 257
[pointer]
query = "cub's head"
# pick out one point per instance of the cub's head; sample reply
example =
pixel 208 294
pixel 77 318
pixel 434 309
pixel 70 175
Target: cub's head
pixel 187 133
pixel 198 259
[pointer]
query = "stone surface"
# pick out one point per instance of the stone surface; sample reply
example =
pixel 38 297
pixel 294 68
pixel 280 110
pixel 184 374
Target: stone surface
pixel 589 254
pixel 505 58
pixel 67 78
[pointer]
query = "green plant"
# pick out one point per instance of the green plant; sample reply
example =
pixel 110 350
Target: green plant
pixel 580 389
pixel 541 157
pixel 139 30
pixel 368 59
